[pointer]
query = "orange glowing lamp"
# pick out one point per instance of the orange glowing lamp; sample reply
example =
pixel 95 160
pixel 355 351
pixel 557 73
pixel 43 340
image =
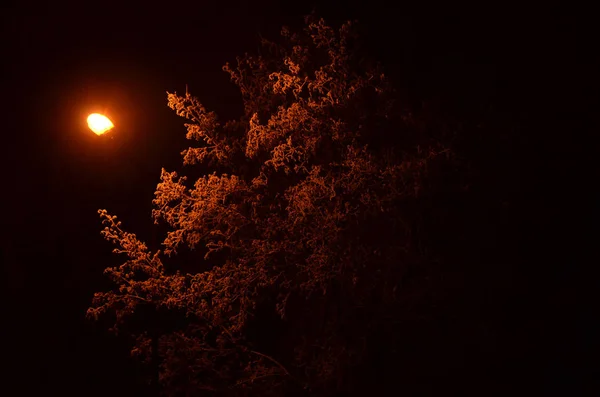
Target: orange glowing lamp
pixel 99 123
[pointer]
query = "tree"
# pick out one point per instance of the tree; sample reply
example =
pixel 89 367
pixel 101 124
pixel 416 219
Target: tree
pixel 303 237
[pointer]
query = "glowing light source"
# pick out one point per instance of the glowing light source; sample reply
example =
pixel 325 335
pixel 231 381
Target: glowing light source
pixel 99 124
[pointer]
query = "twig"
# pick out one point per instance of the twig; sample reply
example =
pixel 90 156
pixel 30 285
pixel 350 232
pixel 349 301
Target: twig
pixel 272 360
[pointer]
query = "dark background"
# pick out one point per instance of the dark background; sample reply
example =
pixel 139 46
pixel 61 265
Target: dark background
pixel 534 65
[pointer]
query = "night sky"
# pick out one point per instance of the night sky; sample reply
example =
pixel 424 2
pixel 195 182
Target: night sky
pixel 61 62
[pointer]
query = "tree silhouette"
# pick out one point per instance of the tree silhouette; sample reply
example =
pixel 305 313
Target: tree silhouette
pixel 302 242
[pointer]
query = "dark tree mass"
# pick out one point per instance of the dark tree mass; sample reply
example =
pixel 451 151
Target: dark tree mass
pixel 307 240
pixel 358 204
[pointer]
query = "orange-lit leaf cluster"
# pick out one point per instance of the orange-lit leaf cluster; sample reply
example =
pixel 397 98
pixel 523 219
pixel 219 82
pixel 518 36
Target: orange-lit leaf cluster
pixel 288 215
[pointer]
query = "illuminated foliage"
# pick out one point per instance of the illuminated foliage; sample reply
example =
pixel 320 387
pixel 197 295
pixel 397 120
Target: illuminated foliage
pixel 305 216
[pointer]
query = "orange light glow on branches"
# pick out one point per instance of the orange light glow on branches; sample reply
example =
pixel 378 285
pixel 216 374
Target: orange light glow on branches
pixel 99 124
